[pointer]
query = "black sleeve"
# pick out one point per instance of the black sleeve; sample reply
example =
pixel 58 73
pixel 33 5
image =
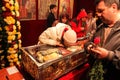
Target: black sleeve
pixel 50 20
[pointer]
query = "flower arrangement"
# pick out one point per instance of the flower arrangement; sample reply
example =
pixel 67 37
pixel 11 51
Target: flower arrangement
pixel 10 36
pixel 96 72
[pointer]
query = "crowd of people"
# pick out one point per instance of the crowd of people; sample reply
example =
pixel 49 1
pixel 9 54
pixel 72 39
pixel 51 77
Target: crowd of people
pixel 103 46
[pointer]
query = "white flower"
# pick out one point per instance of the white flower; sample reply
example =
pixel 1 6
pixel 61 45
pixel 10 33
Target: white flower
pixel 17 13
pixel 11 2
pixel 3 8
pixel 14 27
pixel 13 13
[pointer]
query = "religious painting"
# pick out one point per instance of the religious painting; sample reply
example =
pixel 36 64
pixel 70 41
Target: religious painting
pixel 27 9
pixel 66 6
pixel 43 8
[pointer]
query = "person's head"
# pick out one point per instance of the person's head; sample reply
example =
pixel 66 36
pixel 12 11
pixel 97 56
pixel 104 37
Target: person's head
pixel 69 37
pixel 64 18
pixel 89 14
pixel 107 10
pixel 53 8
pixel 82 15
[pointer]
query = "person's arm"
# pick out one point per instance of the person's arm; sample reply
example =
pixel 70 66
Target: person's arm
pixel 46 38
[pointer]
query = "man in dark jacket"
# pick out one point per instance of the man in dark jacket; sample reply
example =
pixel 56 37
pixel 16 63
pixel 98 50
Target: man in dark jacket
pixel 104 48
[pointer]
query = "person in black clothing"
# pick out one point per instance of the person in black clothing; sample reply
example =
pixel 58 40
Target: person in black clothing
pixel 51 16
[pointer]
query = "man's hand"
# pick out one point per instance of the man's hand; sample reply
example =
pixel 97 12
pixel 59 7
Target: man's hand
pixel 99 52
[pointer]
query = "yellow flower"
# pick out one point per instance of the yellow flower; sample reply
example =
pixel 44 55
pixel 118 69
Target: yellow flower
pixel 11 37
pixel 12 52
pixel 16 6
pixel 7 5
pixel 12 56
pixel 19 35
pixel 11 8
pixel 11 49
pixel 9 33
pixel 9 20
pixel 15 59
pixel 14 31
pixel 16 55
pixel 15 46
pixel 6 28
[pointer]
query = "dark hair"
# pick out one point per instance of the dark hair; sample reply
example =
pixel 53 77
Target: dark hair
pixel 89 11
pixel 52 6
pixel 109 2
pixel 62 15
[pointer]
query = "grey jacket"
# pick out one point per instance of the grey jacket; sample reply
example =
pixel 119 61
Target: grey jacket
pixel 112 63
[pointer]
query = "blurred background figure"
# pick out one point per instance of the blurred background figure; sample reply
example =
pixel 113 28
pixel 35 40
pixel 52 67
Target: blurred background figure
pixel 51 16
pixel 91 23
pixel 79 24
pixel 64 18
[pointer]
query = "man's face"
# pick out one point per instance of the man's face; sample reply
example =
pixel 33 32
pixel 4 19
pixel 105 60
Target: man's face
pixel 55 10
pixel 104 12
